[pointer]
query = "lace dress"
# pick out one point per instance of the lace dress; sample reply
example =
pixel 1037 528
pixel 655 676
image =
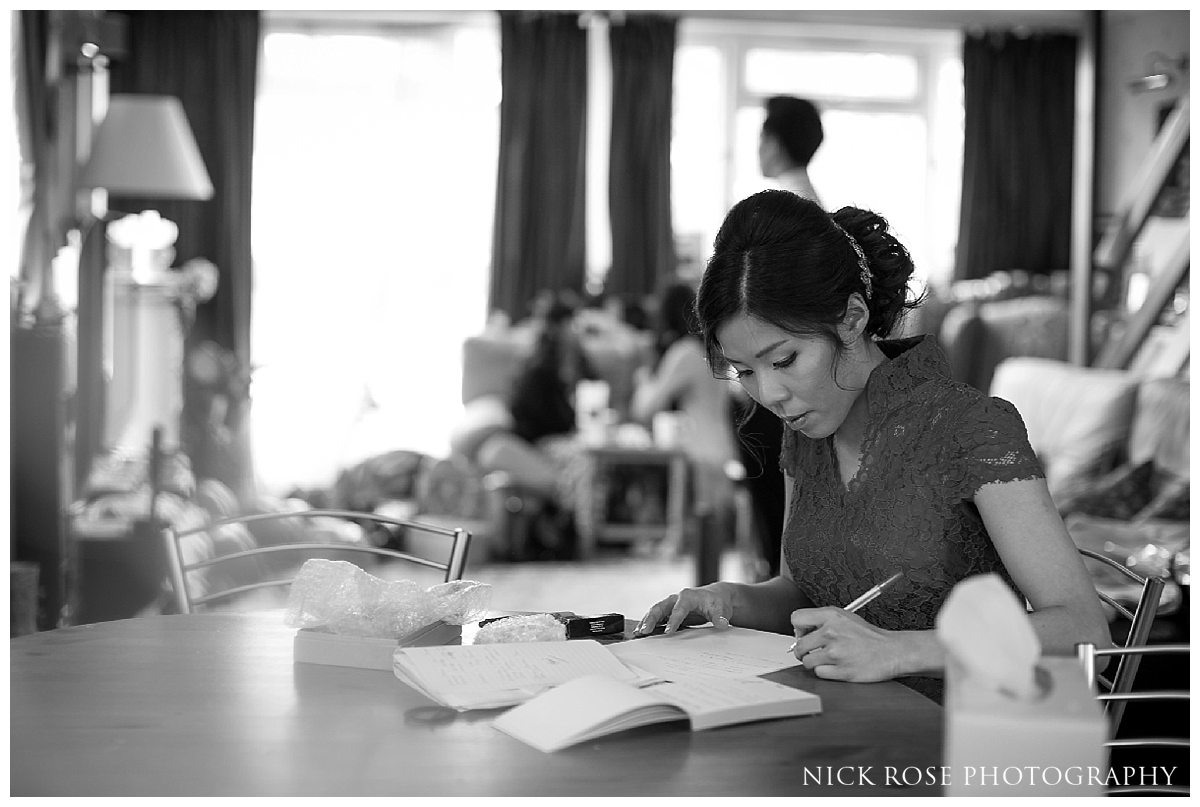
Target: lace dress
pixel 929 444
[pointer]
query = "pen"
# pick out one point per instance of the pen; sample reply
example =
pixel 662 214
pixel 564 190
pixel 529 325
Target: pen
pixel 866 597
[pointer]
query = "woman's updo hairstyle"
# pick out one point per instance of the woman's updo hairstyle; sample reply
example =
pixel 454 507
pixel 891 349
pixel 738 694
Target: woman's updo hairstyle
pixel 782 259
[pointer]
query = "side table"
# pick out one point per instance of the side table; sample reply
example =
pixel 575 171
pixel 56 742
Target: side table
pixel 631 495
pixel 116 572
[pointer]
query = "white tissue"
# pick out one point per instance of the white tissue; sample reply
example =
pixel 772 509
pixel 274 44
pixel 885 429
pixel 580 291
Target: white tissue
pixel 984 629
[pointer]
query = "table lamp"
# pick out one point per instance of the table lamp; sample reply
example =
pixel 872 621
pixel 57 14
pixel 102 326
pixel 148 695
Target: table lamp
pixel 145 148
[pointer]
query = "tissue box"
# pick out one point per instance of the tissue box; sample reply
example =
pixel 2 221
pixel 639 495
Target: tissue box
pixel 999 746
pixel 318 646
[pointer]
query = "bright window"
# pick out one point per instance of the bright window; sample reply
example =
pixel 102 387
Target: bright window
pixel 822 74
pixel 891 106
pixel 698 194
pixel 374 185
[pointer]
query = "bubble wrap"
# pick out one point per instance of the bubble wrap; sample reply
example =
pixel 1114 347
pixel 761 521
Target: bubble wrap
pixel 528 628
pixel 347 600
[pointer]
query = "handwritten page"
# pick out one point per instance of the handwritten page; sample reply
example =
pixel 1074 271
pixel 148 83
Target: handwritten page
pixel 708 653
pixel 489 676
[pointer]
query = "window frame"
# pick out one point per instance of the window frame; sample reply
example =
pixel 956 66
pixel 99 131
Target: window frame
pixel 930 49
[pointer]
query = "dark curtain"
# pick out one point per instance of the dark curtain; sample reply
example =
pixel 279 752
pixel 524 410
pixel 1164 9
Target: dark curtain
pixel 37 123
pixel 539 231
pixel 1019 129
pixel 639 178
pixel 209 60
pixel 46 89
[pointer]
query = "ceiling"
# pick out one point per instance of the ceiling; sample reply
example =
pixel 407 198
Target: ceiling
pixel 923 19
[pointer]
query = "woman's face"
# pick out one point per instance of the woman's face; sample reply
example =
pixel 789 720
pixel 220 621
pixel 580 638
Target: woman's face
pixel 796 377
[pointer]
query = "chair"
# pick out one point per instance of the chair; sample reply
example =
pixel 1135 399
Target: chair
pixel 1087 654
pixel 448 543
pixel 1141 619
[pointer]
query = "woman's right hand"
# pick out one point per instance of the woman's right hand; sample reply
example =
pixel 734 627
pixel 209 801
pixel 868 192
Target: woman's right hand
pixel 691 606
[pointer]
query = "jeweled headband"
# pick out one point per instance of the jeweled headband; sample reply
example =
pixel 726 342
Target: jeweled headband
pixel 864 269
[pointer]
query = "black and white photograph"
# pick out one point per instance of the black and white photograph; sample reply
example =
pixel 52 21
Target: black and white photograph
pixel 672 403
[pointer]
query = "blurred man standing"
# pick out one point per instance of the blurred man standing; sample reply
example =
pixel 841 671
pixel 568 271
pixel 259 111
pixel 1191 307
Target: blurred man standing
pixel 791 134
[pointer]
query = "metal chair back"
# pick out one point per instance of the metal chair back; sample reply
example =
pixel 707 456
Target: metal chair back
pixel 1141 619
pixel 452 562
pixel 1087 654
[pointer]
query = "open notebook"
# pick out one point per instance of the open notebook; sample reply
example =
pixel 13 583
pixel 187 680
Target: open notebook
pixel 593 706
pixel 491 676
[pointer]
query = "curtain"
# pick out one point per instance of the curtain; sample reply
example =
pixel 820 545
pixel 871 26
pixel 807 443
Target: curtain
pixel 36 131
pixel 45 100
pixel 538 239
pixel 1019 130
pixel 639 180
pixel 209 60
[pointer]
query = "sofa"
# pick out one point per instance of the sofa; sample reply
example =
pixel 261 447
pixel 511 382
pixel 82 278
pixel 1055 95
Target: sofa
pixel 1116 450
pixel 978 323
pixel 977 336
pixel 491 360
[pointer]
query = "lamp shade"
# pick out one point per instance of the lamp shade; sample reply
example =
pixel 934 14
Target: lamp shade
pixel 144 147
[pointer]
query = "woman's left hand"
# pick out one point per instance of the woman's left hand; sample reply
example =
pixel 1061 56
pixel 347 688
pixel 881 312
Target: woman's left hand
pixel 836 644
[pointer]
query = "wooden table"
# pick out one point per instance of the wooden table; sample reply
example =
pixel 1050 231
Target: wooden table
pixel 212 704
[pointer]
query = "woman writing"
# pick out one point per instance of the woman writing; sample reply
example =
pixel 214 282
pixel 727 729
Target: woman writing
pixel 889 465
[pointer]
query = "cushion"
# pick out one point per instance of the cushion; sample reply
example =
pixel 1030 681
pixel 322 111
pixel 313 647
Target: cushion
pixel 453 487
pixel 1133 493
pixel 220 541
pixel 482 417
pixel 1026 326
pixel 1162 426
pixel 384 477
pixel 491 363
pixel 1122 493
pixel 1171 502
pixel 1078 418
pixel 216 497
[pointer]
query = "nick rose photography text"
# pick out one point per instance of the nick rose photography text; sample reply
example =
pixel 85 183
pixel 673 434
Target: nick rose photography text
pixel 984 776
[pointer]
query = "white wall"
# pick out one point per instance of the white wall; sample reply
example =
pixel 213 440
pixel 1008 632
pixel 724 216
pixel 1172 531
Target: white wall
pixel 1127 121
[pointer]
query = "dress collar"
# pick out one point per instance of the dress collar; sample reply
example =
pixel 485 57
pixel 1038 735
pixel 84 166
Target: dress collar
pixel 913 362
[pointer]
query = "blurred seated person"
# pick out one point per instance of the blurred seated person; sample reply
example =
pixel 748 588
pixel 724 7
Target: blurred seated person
pixel 683 381
pixel 522 437
pixel 633 313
